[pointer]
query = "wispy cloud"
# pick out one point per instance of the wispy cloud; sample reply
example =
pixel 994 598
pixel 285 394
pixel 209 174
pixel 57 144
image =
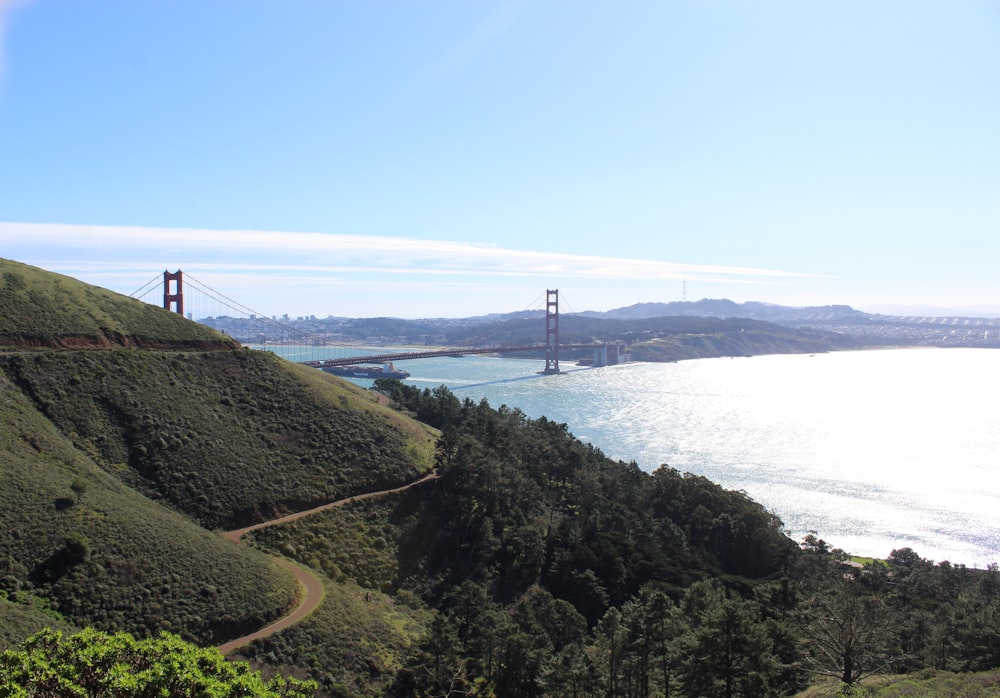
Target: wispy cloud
pixel 318 254
pixel 355 275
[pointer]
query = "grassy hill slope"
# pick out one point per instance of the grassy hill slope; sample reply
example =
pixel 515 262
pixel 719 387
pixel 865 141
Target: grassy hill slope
pixel 100 553
pixel 928 683
pixel 230 437
pixel 20 617
pixel 42 309
pixel 128 432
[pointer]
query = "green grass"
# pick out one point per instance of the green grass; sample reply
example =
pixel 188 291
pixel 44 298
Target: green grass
pixel 353 644
pixel 23 614
pixel 355 542
pixel 925 684
pixel 42 309
pixel 339 394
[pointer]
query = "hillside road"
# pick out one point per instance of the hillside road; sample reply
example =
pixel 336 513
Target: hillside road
pixel 311 590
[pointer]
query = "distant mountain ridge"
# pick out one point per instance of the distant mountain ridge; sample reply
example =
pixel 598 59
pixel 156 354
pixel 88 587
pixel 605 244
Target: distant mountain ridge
pixel 841 327
pixel 790 316
pixel 724 308
pixel 868 329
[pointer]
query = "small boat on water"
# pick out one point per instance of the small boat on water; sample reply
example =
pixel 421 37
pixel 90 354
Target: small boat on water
pixel 386 370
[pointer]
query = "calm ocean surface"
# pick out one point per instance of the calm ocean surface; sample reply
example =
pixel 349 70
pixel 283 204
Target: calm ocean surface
pixel 873 450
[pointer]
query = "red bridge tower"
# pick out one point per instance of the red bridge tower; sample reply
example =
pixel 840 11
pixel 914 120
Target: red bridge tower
pixel 176 298
pixel 552 332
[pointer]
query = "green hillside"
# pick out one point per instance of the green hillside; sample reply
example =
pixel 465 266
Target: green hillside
pixel 23 615
pixel 100 553
pixel 127 434
pixel 42 309
pixel 227 437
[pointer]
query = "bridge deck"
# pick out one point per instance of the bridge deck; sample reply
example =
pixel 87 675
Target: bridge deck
pixel 405 355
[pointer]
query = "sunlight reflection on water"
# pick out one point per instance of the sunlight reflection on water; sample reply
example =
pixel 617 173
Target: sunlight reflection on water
pixel 874 450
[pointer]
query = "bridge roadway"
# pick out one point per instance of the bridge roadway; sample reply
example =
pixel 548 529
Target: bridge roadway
pixel 406 355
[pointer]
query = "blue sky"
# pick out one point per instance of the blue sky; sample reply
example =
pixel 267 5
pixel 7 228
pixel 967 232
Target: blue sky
pixel 450 158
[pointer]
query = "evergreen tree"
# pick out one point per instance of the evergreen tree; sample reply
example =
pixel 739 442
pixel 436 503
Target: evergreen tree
pixel 726 652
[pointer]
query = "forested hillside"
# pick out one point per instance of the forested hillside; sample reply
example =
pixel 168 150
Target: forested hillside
pixel 552 571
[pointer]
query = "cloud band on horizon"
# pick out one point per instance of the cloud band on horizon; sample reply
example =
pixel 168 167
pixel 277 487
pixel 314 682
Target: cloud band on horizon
pixel 233 251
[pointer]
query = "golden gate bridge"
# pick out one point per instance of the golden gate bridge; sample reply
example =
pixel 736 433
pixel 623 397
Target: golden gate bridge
pixel 280 337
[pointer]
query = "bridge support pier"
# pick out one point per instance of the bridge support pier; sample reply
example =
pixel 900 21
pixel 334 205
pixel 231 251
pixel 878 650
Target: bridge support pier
pixel 601 356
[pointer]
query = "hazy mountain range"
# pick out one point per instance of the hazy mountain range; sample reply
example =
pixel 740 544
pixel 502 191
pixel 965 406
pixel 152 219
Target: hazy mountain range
pixel 786 315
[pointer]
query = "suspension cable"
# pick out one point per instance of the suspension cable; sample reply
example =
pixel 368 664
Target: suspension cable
pixel 147 288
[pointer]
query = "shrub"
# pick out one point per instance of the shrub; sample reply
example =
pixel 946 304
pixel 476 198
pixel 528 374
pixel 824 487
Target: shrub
pixel 92 663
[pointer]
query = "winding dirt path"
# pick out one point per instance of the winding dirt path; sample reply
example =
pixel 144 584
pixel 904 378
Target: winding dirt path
pixel 310 585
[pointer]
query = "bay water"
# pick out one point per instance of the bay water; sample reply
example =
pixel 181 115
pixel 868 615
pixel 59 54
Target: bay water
pixel 871 450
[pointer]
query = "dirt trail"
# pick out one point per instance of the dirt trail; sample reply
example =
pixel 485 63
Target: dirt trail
pixel 310 586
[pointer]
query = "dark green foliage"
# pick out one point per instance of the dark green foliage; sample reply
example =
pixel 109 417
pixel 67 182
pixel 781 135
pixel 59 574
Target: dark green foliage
pixel 92 663
pixel 522 508
pixel 438 407
pixel 521 502
pixel 636 648
pixel 974 611
pixel 475 646
pixel 904 615
pixel 712 644
pixel 529 537
pixel 75 550
pixel 526 541
pixel 725 650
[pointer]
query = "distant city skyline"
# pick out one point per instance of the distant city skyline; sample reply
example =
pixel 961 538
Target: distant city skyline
pixel 456 159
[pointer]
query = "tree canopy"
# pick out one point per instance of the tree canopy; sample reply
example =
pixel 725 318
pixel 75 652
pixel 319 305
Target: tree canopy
pixel 97 664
